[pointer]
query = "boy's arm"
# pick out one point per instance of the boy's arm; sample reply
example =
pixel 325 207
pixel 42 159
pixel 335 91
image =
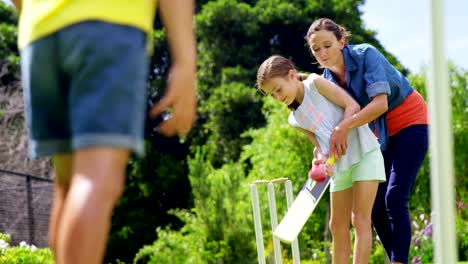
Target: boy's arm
pixel 17 4
pixel 177 18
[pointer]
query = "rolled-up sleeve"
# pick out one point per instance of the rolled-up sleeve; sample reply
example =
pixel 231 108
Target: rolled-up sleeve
pixel 374 73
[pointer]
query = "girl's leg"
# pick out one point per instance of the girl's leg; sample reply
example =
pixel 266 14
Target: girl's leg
pixel 97 183
pixel 364 193
pixel 62 167
pixel 341 205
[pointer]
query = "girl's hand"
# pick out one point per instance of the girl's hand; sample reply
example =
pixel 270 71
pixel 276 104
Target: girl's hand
pixel 328 169
pixel 319 157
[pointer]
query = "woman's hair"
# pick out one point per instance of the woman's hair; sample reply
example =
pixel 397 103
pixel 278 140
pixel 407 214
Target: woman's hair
pixel 276 66
pixel 328 25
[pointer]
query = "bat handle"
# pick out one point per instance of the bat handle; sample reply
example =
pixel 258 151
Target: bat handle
pixel 331 160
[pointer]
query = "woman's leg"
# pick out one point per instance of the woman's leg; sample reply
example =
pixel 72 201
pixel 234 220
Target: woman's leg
pixel 341 205
pixel 364 193
pixel 380 218
pixel 409 148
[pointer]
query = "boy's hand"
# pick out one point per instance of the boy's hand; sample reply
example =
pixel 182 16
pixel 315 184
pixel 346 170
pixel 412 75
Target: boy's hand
pixel 180 96
pixel 177 17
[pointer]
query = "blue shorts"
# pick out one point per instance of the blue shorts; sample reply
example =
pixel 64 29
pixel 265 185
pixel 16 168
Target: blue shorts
pixel 85 86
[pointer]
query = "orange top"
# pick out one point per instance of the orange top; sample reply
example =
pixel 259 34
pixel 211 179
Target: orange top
pixel 412 111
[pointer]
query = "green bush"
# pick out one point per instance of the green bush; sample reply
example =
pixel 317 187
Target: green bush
pixel 5 237
pixel 217 229
pixel 462 229
pixel 23 254
pixel 175 246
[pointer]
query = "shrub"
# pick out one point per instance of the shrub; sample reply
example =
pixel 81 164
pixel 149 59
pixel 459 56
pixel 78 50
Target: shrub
pixel 23 253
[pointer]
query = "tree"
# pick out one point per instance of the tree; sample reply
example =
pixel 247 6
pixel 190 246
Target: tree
pixel 240 35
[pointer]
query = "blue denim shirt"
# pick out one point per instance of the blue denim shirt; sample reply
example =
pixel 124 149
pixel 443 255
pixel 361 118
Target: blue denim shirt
pixel 368 73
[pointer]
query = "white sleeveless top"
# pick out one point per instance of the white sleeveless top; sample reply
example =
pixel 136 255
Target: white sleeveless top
pixel 320 116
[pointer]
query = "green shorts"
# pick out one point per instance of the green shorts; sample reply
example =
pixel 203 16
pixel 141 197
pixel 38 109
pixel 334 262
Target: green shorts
pixel 370 168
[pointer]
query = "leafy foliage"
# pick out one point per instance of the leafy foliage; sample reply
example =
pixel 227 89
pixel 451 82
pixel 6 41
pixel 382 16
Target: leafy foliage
pixel 22 254
pixel 239 137
pixel 229 108
pixel 216 229
pixel 155 184
pixel 9 54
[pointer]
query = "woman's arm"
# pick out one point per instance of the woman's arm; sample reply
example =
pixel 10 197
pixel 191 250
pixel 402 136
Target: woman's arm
pixel 352 118
pixel 376 107
pixel 336 95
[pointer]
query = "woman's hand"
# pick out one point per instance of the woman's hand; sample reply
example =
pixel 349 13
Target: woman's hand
pixel 339 142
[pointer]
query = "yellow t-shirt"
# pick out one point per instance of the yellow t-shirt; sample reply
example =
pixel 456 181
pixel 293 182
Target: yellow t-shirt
pixel 40 18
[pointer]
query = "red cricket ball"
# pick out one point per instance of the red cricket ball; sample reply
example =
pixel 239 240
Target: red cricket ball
pixel 317 173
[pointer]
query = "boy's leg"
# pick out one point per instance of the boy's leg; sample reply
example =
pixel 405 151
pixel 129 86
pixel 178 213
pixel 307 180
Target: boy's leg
pixel 63 170
pixel 107 67
pixel 84 86
pixel 341 204
pixel 363 199
pixel 98 182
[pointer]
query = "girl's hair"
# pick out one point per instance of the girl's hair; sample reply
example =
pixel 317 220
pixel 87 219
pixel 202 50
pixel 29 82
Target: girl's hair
pixel 328 25
pixel 276 66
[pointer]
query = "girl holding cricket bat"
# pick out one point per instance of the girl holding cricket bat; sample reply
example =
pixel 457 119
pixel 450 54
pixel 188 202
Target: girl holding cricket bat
pixel 318 106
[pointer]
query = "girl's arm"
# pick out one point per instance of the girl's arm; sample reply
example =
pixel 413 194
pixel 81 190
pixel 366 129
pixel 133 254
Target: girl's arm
pixel 319 157
pixel 335 94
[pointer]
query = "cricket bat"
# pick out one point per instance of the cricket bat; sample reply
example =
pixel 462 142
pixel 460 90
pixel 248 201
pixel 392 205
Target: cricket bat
pixel 303 206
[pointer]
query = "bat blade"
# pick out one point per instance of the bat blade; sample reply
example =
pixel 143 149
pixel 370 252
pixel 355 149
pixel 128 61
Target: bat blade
pixel 303 206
